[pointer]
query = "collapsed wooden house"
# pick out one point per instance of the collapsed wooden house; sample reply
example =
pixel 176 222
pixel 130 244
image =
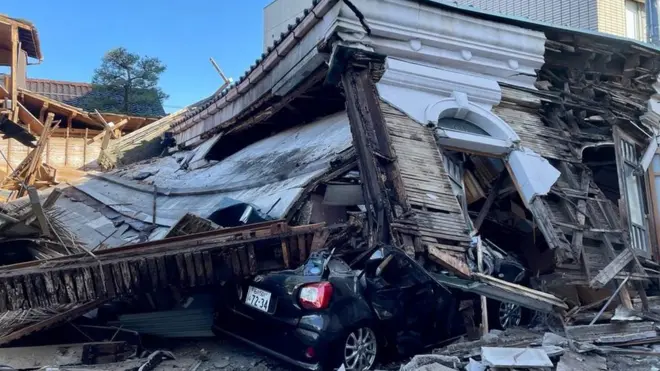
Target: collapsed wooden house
pixel 435 128
pixel 75 141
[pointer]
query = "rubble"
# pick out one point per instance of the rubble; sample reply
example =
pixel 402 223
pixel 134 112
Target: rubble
pixel 523 198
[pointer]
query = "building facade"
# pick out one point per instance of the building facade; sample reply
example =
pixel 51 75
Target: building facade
pixel 625 18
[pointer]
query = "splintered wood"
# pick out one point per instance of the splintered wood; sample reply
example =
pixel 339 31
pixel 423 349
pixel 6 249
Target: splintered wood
pixel 186 261
pixel 32 171
pixel 438 220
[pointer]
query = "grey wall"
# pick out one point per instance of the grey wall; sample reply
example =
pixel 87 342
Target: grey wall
pixel 573 13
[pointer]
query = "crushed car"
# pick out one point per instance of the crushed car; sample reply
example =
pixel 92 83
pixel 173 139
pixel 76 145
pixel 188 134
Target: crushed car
pixel 335 310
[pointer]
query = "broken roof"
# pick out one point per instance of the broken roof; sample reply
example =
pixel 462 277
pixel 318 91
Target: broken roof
pixel 27 36
pixel 270 174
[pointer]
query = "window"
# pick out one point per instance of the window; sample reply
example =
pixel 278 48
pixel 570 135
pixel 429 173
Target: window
pixel 454 167
pixel 635 20
pixel 633 192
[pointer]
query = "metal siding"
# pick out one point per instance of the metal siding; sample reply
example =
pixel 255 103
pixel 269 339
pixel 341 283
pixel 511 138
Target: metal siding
pixel 573 13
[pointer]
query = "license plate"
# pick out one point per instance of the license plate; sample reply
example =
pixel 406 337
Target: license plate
pixel 258 298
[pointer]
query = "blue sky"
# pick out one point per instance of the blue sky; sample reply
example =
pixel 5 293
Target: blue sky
pixel 75 34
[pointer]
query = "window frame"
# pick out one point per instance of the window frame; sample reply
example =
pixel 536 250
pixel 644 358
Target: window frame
pixel 638 21
pixel 622 161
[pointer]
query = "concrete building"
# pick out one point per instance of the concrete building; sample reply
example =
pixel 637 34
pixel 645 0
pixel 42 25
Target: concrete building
pixel 625 18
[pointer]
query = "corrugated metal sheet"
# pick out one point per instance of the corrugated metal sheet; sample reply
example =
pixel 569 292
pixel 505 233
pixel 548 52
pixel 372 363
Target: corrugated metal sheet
pixel 194 321
pixel 270 174
pixel 170 324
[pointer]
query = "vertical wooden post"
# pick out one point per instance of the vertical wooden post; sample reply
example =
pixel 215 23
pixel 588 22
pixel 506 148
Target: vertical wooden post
pixel 69 121
pixel 484 302
pixel 9 165
pixel 42 117
pixel 85 150
pixel 14 70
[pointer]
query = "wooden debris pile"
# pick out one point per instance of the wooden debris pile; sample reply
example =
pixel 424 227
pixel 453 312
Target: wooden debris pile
pixel 185 262
pixel 591 103
pixel 588 348
pixel 32 171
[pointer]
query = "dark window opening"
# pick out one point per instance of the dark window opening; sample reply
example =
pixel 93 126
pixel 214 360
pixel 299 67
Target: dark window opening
pixel 602 163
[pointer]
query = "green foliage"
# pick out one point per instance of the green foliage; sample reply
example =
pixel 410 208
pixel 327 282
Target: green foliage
pixel 126 83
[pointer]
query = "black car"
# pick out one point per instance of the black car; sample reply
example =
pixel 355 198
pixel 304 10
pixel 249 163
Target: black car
pixel 327 313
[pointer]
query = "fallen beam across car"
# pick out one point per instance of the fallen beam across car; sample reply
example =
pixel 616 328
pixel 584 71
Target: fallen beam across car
pixel 188 261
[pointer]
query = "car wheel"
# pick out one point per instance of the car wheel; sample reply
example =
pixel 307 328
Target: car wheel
pixel 359 349
pixel 509 315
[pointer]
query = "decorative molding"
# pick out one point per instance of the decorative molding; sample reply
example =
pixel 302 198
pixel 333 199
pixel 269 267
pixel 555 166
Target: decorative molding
pixel 410 30
pixel 413 88
pixel 440 82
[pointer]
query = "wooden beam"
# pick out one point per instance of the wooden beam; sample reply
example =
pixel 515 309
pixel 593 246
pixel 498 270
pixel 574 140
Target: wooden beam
pixel 100 135
pixel 612 269
pixel 492 196
pixel 14 70
pixel 25 116
pixel 38 211
pixel 85 149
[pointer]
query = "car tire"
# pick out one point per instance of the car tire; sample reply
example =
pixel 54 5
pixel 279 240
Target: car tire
pixel 357 350
pixel 502 315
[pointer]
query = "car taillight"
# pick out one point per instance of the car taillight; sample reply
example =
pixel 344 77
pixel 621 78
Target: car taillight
pixel 316 295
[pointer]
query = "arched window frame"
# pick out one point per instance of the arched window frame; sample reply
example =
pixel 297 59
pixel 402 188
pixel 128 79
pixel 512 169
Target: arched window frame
pixel 501 137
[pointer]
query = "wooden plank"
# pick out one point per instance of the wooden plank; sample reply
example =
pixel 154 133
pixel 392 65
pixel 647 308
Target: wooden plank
pixel 235 263
pixel 118 279
pixel 97 275
pixel 243 257
pixel 145 276
pixel 162 271
pixel 108 281
pixel 173 276
pixel 181 267
pixel 190 269
pixel 199 268
pixel 252 258
pixel 38 211
pixel 15 52
pixel 79 281
pixel 135 275
pixel 40 287
pixel 208 267
pixel 492 196
pixel 127 280
pixel 319 239
pixel 25 116
pixel 3 298
pixel 70 287
pixel 153 272
pixel 50 288
pixel 51 321
pixel 30 294
pixel 612 269
pixel 60 286
pixel 285 253
pixel 11 294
